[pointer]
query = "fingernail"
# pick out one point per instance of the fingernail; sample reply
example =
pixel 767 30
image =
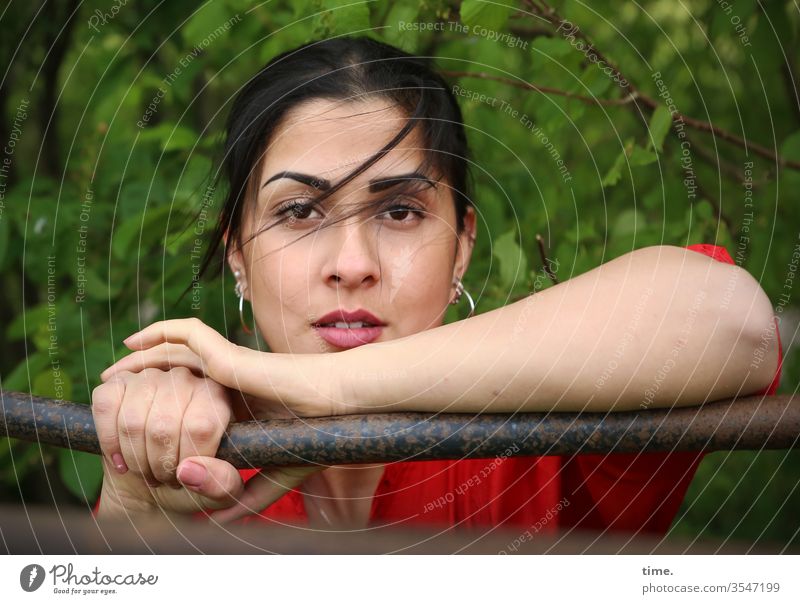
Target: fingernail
pixel 191 474
pixel 119 463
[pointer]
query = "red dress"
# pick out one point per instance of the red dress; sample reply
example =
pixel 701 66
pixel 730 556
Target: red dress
pixel 627 492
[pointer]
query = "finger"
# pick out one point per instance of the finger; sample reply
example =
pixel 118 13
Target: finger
pixel 106 402
pixel 205 420
pixel 219 357
pixel 219 483
pixel 131 424
pixel 263 489
pixel 237 367
pixel 162 356
pixel 163 428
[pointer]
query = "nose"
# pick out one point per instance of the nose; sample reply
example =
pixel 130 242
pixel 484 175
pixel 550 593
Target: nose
pixel 352 261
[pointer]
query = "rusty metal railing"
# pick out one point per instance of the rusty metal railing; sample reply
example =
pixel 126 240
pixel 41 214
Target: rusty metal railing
pixel 749 423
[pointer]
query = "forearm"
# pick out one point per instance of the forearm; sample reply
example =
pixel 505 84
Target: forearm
pixel 630 334
pixel 277 385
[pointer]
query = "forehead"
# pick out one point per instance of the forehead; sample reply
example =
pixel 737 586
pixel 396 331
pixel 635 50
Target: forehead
pixel 331 138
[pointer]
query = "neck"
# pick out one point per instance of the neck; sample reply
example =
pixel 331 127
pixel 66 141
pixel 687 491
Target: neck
pixel 341 496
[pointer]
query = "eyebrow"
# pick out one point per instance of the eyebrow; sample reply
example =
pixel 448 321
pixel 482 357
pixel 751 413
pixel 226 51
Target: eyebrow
pixel 376 185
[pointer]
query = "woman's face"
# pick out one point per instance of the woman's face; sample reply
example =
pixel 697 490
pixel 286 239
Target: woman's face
pixel 392 262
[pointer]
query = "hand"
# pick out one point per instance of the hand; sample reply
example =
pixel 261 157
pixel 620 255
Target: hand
pixel 272 385
pixel 159 432
pixel 148 422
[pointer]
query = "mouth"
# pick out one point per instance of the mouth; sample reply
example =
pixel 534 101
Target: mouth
pixel 349 337
pixel 345 329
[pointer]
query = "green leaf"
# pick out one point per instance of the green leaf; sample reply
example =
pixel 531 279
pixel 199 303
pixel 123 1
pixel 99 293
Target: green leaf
pixel 151 229
pixel 210 19
pixel 491 15
pixel 627 223
pixel 171 137
pixel 342 17
pixel 99 288
pixel 194 179
pixel 17 379
pixel 660 124
pixel 552 47
pixel 632 155
pixel 790 149
pixel 615 171
pixel 641 157
pixel 180 138
pixel 595 82
pixel 82 473
pixel 401 13
pixel 53 383
pixel 27 322
pixel 703 211
pixel 304 8
pixel 512 260
pixel 185 239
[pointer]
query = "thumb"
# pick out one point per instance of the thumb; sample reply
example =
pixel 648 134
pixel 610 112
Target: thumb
pixel 263 489
pixel 217 481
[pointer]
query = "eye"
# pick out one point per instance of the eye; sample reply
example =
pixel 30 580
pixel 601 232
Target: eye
pixel 404 212
pixel 296 210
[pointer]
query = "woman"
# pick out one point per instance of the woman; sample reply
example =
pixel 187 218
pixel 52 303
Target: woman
pixel 348 227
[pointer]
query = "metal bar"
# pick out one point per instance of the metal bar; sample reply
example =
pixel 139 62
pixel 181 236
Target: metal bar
pixel 750 423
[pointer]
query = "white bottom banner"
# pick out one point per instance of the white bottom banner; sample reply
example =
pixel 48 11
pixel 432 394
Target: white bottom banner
pixel 402 579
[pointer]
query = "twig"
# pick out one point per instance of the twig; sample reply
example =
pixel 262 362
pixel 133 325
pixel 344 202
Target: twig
pixel 550 15
pixel 541 89
pixel 717 161
pixel 530 33
pixel 725 135
pixel 545 260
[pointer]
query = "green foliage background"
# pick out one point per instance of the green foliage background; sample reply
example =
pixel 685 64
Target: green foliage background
pixel 81 172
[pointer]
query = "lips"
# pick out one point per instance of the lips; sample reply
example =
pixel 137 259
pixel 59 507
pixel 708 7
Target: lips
pixel 348 329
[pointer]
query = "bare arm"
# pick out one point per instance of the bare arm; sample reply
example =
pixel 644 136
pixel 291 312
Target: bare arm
pixel 656 327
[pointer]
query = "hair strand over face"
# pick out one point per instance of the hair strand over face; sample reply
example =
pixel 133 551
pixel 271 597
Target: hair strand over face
pixel 348 69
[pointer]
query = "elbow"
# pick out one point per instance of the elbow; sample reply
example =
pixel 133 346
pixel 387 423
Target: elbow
pixel 752 331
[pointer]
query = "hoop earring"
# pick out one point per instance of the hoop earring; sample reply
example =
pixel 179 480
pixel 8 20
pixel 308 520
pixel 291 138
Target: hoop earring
pixel 460 289
pixel 240 295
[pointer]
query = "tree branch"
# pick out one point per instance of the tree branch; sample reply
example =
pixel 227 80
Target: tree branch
pixel 568 29
pixel 536 88
pixel 545 260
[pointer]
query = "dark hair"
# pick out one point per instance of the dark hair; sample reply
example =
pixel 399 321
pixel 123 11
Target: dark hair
pixel 343 68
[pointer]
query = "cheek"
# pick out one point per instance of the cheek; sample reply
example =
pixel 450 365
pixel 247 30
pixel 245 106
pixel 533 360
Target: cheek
pixel 278 279
pixel 418 285
pixel 283 284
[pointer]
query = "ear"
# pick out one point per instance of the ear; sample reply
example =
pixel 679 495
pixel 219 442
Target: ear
pixel 235 260
pixel 465 244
